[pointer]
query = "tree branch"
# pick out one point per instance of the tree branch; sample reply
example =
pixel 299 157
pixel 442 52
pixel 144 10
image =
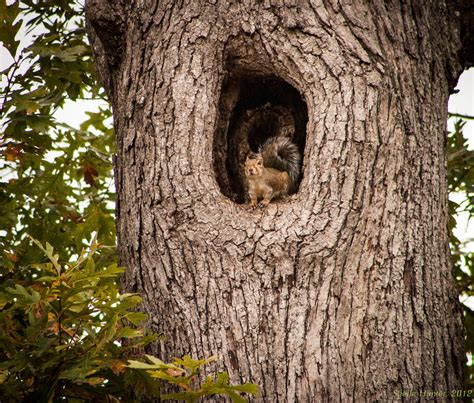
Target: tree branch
pixel 460 115
pixel 465 10
pixel 106 26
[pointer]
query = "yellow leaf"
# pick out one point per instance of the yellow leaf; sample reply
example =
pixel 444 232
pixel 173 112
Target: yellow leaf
pixel 118 367
pixel 175 372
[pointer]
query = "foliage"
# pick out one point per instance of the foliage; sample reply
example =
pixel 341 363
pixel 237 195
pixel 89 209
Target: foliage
pixel 65 330
pixel 68 333
pixel 60 331
pixel 461 181
pixel 183 373
pixel 56 181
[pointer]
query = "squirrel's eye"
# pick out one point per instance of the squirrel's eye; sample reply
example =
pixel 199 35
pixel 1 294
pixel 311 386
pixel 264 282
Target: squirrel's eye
pixel 259 163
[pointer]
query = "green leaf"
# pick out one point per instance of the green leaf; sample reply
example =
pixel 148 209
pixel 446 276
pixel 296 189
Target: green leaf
pixel 129 333
pixel 20 291
pixel 156 361
pixel 49 252
pixel 136 317
pixel 142 365
pixel 8 28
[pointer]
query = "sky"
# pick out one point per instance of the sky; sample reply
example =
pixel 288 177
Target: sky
pixel 463 103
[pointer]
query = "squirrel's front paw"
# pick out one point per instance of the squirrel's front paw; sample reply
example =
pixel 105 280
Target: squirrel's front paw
pixel 264 203
pixel 253 203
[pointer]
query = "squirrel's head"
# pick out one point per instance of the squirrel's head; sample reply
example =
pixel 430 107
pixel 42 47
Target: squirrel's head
pixel 253 165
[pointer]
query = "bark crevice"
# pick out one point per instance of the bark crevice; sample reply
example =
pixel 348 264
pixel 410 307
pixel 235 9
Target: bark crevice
pixel 342 292
pixel 253 107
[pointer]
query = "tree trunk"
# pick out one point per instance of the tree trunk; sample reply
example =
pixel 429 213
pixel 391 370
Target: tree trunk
pixel 342 291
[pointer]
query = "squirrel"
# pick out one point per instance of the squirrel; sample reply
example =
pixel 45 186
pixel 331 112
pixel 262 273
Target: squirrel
pixel 273 172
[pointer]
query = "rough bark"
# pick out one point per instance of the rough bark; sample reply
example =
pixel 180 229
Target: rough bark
pixel 341 292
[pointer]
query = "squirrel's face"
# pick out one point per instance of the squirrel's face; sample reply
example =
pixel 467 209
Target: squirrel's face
pixel 253 165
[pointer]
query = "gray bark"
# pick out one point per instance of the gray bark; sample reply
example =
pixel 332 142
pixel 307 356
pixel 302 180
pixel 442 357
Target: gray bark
pixel 344 290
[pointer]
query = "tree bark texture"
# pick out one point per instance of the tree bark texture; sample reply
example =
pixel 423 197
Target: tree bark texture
pixel 342 291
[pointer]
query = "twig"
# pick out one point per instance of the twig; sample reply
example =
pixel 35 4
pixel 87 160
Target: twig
pixel 460 115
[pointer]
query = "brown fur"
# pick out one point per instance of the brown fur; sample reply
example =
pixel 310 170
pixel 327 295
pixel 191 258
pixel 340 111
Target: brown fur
pixel 264 183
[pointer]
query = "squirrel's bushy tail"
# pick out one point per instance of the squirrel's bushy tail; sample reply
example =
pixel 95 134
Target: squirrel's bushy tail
pixel 282 154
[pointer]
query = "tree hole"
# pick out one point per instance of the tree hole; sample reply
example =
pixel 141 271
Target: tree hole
pixel 252 108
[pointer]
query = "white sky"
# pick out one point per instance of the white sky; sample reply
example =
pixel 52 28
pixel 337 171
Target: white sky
pixel 463 102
